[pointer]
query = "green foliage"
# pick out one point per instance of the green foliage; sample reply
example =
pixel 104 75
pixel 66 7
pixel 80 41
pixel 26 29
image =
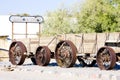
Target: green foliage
pixel 92 16
pixel 24 14
pixel 99 16
pixel 57 22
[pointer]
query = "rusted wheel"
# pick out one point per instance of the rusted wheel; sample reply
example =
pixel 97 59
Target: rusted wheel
pixel 65 53
pixel 106 58
pixel 16 53
pixel 42 55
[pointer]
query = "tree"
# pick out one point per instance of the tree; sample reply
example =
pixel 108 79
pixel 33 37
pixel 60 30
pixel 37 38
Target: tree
pixel 57 22
pixel 93 16
pixel 99 16
pixel 24 14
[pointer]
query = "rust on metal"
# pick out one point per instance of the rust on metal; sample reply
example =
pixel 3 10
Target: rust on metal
pixel 42 55
pixel 16 53
pixel 65 53
pixel 106 58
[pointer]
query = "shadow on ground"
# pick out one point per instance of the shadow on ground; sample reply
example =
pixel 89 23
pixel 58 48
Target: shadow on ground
pixel 117 67
pixel 77 65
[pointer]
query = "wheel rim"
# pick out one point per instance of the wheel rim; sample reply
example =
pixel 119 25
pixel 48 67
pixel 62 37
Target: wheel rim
pixel 42 55
pixel 65 54
pixel 16 53
pixel 106 58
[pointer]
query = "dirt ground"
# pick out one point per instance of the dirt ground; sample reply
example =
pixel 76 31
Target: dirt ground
pixel 28 71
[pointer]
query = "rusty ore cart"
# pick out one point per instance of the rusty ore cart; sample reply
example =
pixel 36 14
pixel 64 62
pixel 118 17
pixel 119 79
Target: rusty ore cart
pixel 88 50
pixel 100 48
pixel 65 50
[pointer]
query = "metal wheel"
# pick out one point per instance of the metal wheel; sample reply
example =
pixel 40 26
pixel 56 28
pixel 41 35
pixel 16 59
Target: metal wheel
pixel 16 53
pixel 106 58
pixel 42 55
pixel 65 54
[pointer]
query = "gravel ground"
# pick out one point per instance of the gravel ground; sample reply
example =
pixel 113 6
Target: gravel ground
pixel 28 71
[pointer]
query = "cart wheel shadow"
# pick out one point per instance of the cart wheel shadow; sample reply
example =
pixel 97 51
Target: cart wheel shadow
pixel 52 64
pixel 55 64
pixel 117 67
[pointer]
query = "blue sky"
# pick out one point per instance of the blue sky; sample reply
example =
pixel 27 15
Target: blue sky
pixel 33 7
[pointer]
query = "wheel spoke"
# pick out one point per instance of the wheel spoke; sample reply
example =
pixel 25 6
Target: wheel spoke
pixel 16 53
pixel 65 54
pixel 106 58
pixel 42 55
